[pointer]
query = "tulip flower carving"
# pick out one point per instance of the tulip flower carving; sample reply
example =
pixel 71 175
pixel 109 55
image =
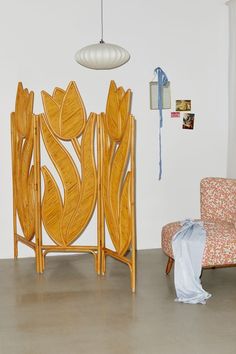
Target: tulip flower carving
pixel 23 170
pixel 65 217
pixel 116 124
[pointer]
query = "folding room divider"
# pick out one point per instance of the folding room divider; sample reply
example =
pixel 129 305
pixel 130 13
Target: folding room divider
pixel 81 180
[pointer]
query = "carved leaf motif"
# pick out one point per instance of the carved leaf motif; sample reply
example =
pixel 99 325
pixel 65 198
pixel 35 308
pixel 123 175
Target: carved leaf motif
pixel 58 95
pixel 17 169
pixel 29 115
pixel 19 205
pixel 22 157
pixel 88 195
pixel 26 156
pixel 120 92
pixel 20 115
pixel 68 173
pixel 117 111
pixel 124 110
pixel 26 179
pixel 65 112
pixel 112 113
pixel 109 148
pixel 31 203
pixel 23 110
pixel 125 216
pixel 118 169
pixel 52 111
pixel 52 207
pixel 72 115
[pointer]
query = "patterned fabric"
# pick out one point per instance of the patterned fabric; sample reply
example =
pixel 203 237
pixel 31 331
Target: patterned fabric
pixel 218 199
pixel 218 212
pixel 220 248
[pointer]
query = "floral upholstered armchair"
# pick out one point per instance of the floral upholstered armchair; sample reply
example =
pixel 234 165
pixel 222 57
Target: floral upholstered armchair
pixel 218 213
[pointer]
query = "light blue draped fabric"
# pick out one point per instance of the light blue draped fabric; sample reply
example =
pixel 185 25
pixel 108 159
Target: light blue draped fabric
pixel 188 247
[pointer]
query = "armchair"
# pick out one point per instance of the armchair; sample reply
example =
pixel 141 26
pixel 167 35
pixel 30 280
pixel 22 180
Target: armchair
pixel 218 213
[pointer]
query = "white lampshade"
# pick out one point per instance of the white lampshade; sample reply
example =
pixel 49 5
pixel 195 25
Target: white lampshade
pixel 102 56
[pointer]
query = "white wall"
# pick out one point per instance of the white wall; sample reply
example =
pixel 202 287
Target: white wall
pixel 231 166
pixel 187 38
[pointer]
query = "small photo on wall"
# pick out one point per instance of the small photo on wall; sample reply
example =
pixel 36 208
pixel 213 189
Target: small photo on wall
pixel 188 121
pixel 183 105
pixel 175 114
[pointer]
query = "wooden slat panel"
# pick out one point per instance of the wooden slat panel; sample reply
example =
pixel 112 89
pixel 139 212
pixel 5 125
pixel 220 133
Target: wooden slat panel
pixel 66 119
pixel 88 196
pixel 69 176
pixel 23 171
pixel 116 125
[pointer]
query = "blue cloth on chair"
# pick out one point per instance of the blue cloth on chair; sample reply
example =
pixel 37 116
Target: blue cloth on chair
pixel 188 247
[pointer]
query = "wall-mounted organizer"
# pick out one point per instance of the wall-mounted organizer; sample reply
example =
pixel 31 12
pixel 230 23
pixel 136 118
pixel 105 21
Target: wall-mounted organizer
pixel 104 180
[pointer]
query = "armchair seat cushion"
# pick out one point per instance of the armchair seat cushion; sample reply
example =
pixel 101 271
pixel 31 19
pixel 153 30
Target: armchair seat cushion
pixel 220 247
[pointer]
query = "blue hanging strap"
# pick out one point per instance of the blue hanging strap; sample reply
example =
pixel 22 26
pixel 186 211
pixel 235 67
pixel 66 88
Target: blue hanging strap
pixel 162 80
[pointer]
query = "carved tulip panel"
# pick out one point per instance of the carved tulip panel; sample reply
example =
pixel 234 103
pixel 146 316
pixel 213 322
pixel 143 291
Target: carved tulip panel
pixel 116 181
pixel 22 151
pixel 65 217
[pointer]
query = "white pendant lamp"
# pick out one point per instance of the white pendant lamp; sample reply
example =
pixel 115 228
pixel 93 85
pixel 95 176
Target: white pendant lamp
pixel 102 56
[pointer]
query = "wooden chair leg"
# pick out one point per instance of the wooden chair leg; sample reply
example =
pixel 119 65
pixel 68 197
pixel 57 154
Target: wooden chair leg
pixel 169 265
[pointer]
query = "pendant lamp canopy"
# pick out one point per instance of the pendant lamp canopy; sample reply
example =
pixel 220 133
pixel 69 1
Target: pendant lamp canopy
pixel 102 56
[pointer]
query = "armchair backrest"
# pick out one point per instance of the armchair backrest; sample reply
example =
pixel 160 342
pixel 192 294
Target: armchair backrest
pixel 218 199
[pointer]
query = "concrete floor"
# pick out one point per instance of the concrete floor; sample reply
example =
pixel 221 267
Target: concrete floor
pixel 69 309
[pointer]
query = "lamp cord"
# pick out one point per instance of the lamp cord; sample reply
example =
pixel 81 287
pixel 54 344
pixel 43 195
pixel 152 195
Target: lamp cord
pixel 101 41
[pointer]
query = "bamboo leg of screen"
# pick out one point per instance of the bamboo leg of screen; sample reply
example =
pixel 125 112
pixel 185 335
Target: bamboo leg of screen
pixel 100 211
pixel 102 218
pixel 133 239
pixel 13 187
pixel 37 183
